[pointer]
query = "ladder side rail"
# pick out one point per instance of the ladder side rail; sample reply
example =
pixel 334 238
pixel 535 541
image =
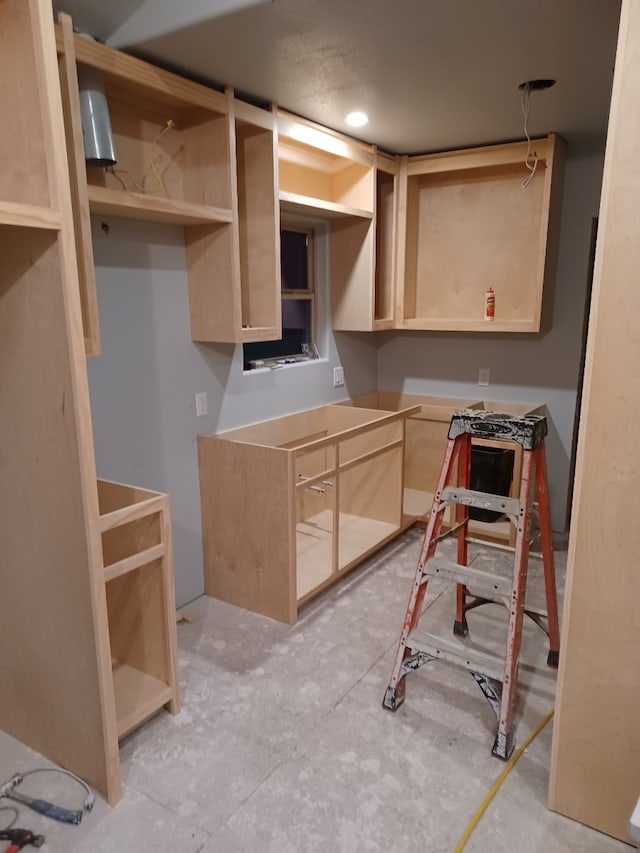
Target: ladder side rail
pixel 505 738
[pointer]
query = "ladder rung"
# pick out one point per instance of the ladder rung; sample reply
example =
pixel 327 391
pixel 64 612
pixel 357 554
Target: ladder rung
pixel 473 660
pixel 468 497
pixel 477 580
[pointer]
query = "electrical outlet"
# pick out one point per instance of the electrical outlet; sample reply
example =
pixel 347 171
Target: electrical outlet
pixel 338 377
pixel 484 376
pixel 201 404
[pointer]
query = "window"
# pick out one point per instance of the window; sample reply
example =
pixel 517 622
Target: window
pixel 297 265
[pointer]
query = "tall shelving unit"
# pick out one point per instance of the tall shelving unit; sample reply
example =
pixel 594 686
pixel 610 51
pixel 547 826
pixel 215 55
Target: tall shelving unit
pixel 64 635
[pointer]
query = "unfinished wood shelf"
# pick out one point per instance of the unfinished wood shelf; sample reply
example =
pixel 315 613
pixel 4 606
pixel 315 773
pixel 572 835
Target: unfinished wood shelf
pixel 292 504
pixel 467 224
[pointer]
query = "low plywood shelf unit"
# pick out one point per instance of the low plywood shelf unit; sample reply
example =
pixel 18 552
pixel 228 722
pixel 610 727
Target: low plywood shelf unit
pixel 138 572
pixel 467 224
pixel 290 505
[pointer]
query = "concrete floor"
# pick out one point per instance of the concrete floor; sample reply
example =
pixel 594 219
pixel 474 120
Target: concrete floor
pixel 282 744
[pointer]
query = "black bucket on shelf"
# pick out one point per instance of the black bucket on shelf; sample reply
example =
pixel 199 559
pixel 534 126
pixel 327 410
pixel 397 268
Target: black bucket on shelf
pixel 492 472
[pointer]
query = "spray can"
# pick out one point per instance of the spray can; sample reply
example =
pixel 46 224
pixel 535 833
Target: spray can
pixel 489 304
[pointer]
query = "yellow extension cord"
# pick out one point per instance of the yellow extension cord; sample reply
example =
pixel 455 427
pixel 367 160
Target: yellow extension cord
pixel 496 785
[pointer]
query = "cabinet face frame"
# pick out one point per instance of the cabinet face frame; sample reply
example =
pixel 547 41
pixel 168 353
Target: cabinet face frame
pixel 486 230
pixel 386 219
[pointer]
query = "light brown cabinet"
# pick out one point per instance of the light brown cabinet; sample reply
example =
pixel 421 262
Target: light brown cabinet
pixel 466 224
pixel 324 174
pixel 292 504
pixel 186 155
pixel 87 650
pixel 425 444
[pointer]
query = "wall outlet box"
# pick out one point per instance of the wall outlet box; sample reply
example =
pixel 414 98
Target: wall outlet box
pixel 338 377
pixel 201 404
pixel 484 376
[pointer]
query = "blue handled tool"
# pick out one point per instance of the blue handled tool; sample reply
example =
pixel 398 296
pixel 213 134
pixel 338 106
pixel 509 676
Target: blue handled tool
pixel 41 806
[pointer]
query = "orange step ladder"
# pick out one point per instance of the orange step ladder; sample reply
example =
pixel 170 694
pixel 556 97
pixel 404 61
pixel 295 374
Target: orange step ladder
pixel 496 677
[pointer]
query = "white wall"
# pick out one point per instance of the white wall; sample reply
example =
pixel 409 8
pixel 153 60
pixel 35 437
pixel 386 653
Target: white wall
pixel 143 386
pixel 529 368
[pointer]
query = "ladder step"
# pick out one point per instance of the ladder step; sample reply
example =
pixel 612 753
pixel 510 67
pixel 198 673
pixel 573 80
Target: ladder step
pixel 450 651
pixel 486 583
pixel 469 497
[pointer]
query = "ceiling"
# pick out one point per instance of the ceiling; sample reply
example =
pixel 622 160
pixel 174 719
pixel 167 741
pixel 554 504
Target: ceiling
pixel 431 74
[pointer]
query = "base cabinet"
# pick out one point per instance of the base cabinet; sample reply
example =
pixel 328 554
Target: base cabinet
pixel 292 504
pixel 425 445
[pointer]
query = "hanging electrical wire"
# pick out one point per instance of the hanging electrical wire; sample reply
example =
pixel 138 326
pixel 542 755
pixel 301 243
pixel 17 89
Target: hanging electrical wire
pixel 530 161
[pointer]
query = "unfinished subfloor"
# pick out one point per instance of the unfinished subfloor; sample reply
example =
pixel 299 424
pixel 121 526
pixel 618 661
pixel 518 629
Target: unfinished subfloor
pixel 282 744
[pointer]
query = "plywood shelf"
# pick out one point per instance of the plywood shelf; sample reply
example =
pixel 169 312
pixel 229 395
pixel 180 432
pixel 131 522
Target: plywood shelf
pixel 150 208
pixel 138 696
pixel 296 203
pixel 29 216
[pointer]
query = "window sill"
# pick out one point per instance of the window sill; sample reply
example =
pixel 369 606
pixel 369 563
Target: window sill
pixel 278 364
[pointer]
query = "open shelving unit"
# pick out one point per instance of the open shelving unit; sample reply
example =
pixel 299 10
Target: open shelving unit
pixel 467 223
pixel 178 144
pixel 292 504
pixel 138 572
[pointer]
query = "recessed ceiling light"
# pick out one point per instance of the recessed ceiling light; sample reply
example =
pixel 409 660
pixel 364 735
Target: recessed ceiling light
pixel 357 119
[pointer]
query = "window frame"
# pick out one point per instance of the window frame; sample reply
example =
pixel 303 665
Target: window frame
pixel 308 294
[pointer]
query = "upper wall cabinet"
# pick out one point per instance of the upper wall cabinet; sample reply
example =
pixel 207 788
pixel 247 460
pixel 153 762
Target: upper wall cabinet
pixel 240 302
pixel 325 174
pixel 176 145
pixel 467 224
pixel 363 258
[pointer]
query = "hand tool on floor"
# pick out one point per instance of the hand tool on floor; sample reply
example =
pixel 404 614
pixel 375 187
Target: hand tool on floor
pixel 496 676
pixel 41 806
pixel 19 838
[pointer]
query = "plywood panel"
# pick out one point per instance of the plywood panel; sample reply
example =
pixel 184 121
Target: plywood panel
pixel 373 488
pixel 287 431
pixel 46 609
pixel 385 246
pixel 248 523
pixel 352 273
pixel 24 177
pixel 477 231
pixel 213 265
pixel 258 224
pixel 595 771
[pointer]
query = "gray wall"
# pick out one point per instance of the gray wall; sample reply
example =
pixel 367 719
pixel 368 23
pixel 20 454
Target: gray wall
pixel 143 386
pixel 529 368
